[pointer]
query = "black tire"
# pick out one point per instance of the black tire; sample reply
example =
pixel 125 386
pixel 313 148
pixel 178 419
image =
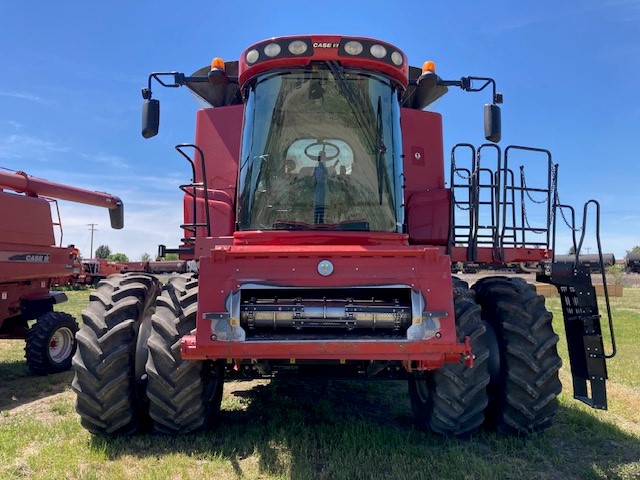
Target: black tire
pixel 452 399
pixel 108 399
pixel 184 396
pixel 51 343
pixel 523 395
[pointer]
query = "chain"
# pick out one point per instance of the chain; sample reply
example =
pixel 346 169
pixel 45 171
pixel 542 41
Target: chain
pixel 554 180
pixel 458 205
pixel 526 189
pixel 526 221
pixel 463 177
pixel 524 205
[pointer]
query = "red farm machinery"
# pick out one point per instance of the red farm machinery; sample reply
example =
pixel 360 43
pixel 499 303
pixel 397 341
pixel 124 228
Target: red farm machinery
pixel 324 235
pixel 30 263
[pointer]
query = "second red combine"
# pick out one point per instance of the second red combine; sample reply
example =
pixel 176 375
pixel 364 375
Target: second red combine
pixel 30 263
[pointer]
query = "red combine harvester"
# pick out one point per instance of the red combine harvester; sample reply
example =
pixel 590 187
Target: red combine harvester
pixel 324 232
pixel 30 263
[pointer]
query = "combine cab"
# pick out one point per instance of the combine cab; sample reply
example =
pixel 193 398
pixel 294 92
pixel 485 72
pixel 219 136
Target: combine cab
pixel 30 263
pixel 324 235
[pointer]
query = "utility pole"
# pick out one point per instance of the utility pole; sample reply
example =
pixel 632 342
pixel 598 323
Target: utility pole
pixel 93 229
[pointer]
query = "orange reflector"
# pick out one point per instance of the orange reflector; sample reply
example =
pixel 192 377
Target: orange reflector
pixel 217 63
pixel 429 66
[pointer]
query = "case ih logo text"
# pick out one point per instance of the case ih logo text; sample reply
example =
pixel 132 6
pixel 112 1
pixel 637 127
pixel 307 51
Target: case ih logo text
pixel 325 45
pixel 30 257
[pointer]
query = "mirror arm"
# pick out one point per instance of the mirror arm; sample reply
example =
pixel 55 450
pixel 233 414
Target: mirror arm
pixel 466 84
pixel 179 79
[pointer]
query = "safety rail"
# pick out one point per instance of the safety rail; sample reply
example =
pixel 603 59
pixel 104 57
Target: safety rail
pixel 495 205
pixel 191 189
pixel 520 229
pixel 486 231
pixel 461 233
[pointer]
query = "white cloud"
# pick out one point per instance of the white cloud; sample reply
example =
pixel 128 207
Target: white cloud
pixel 27 96
pixel 29 146
pixel 112 161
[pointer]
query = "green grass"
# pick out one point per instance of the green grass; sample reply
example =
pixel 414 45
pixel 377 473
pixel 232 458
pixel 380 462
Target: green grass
pixel 322 429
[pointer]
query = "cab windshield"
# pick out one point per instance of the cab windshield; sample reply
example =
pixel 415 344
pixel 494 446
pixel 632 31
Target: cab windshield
pixel 321 151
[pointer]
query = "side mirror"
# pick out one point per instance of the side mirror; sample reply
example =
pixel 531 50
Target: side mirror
pixel 492 123
pixel 150 118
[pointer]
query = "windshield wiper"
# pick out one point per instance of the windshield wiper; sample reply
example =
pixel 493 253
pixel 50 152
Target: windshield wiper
pixel 380 150
pixel 375 141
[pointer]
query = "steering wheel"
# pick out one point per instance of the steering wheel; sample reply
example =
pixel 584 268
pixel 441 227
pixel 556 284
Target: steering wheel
pixel 324 145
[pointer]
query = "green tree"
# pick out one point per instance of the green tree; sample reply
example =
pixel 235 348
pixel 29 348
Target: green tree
pixel 145 257
pixel 635 249
pixel 172 256
pixel 118 257
pixel 572 250
pixel 103 251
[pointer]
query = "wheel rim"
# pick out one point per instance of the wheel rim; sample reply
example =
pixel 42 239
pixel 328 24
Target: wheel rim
pixel 61 345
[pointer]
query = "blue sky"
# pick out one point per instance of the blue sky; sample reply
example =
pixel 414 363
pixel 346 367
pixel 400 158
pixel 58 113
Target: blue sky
pixel 72 72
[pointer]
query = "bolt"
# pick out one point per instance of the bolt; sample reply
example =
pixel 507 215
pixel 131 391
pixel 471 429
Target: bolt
pixel 214 337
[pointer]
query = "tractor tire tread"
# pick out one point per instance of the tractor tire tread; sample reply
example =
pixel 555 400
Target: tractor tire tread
pixel 184 395
pixel 104 363
pixel 526 399
pixel 38 339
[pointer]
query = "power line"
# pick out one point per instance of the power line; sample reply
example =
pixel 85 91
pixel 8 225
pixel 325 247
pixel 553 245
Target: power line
pixel 93 229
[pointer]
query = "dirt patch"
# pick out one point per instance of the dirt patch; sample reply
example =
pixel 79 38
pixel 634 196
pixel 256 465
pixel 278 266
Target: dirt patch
pixel 47 410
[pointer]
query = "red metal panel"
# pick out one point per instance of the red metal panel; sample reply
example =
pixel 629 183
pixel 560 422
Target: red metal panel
pixel 13 294
pixel 220 213
pixel 218 133
pixel 423 269
pixel 428 217
pixel 511 255
pixel 422 147
pixel 432 353
pixel 25 262
pixel 25 220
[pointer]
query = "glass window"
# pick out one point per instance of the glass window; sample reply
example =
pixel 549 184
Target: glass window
pixel 320 151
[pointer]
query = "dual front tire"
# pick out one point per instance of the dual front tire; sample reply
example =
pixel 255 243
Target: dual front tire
pixel 125 383
pixel 513 385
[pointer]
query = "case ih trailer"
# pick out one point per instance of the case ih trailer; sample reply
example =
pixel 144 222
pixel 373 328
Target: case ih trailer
pixel 325 233
pixel 30 263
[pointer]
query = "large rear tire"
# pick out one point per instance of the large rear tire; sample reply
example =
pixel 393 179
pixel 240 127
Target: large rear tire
pixel 108 397
pixel 184 396
pixel 524 390
pixel 51 343
pixel 452 399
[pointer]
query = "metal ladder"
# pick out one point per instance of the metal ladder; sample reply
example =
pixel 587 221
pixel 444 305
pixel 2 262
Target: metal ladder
pixel 461 184
pixel 581 315
pixel 191 189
